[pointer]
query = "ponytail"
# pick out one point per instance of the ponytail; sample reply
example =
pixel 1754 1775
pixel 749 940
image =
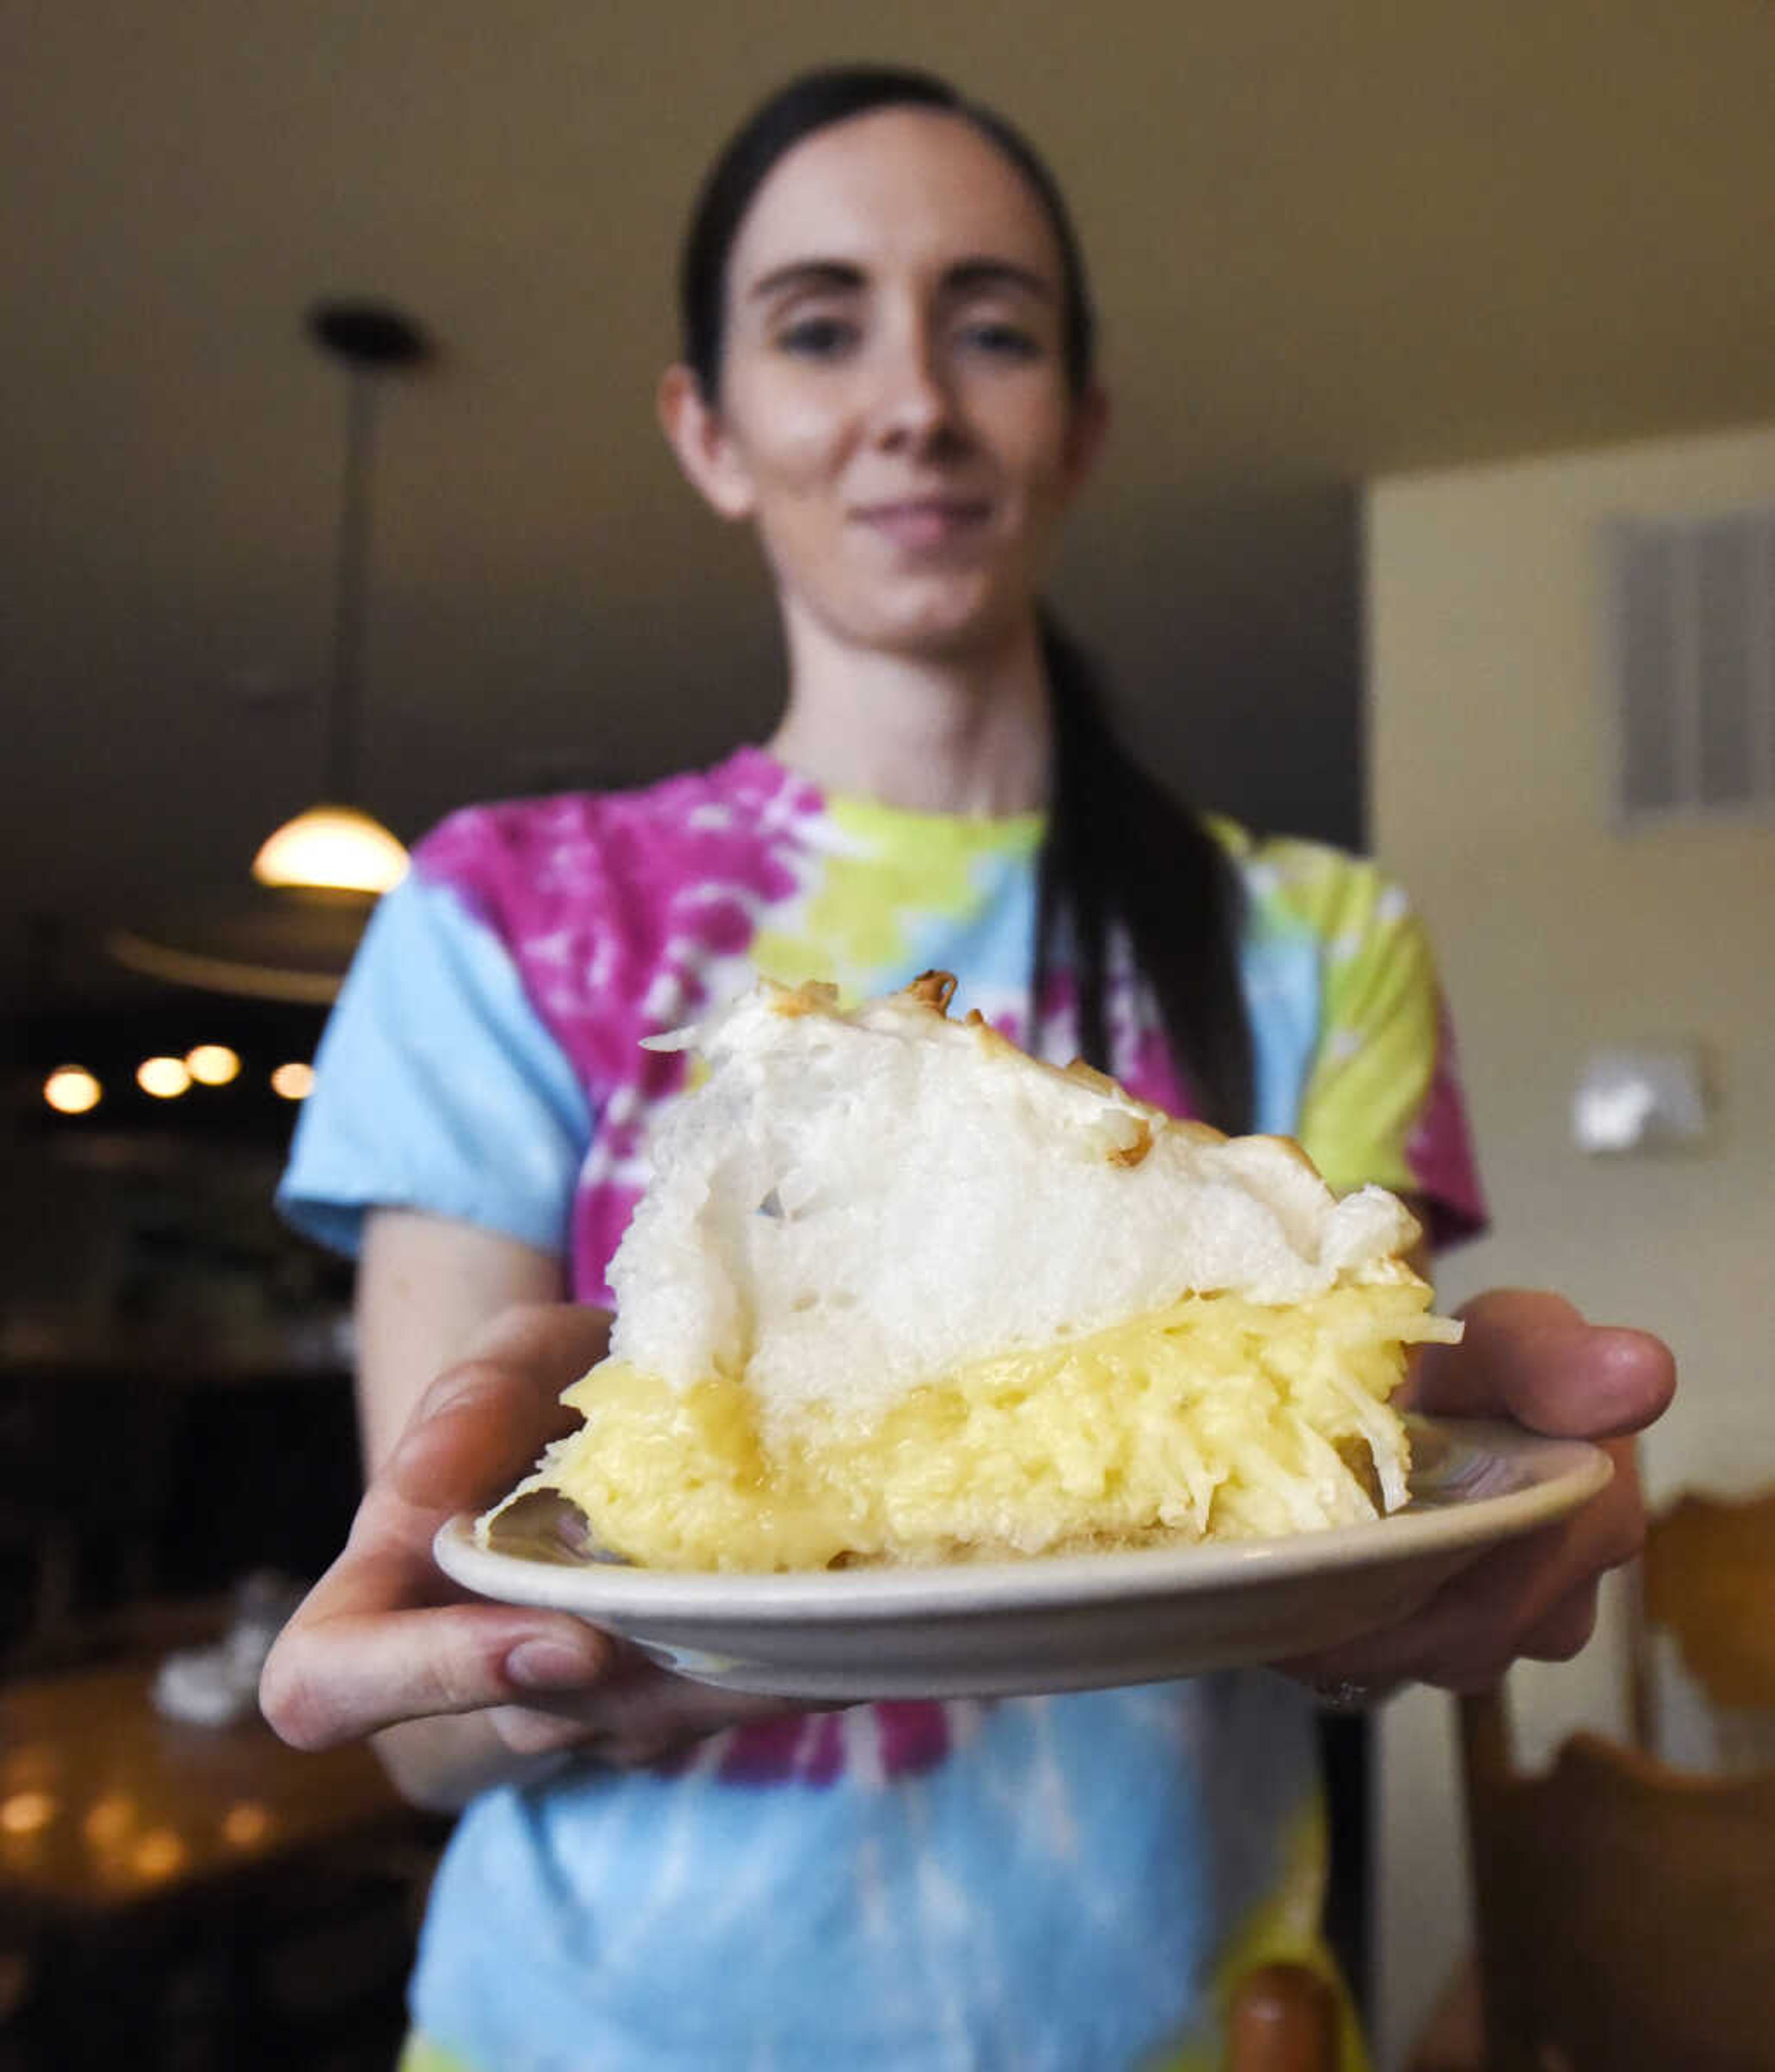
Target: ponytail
pixel 1121 852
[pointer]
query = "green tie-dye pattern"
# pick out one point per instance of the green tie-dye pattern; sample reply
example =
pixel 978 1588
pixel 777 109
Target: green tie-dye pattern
pixel 891 871
pixel 420 2055
pixel 1378 1053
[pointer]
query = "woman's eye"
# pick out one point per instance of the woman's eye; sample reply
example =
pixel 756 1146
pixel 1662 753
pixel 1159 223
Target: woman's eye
pixel 817 338
pixel 1006 341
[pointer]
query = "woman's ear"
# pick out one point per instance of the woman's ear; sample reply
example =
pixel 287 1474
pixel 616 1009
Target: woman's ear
pixel 1086 435
pixel 695 433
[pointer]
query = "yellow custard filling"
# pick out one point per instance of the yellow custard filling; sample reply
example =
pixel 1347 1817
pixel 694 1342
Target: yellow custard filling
pixel 1217 1415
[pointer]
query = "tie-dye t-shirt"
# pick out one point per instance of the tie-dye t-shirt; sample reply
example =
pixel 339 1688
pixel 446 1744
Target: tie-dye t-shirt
pixel 1070 1882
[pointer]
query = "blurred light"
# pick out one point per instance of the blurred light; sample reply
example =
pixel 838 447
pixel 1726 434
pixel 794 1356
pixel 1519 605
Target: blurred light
pixel 109 1820
pixel 335 848
pixel 26 1812
pixel 159 1853
pixel 72 1089
pixel 294 1082
pixel 165 1078
pixel 212 1064
pixel 246 1823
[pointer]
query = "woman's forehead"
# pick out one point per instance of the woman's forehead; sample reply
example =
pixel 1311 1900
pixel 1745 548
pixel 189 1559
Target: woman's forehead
pixel 897 187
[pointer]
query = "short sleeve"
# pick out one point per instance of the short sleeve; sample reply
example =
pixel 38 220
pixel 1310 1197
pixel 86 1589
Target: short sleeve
pixel 1383 1102
pixel 437 1087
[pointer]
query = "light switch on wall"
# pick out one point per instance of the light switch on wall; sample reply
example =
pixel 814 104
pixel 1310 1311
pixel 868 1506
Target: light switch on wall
pixel 1653 1099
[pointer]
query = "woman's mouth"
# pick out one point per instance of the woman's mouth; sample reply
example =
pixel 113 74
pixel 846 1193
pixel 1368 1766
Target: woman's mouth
pixel 925 524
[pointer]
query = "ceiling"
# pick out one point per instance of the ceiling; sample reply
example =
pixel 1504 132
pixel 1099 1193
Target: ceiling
pixel 1328 242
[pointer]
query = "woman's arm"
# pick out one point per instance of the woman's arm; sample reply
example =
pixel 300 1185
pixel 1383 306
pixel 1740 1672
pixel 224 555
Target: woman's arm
pixel 427 1290
pixel 462 1359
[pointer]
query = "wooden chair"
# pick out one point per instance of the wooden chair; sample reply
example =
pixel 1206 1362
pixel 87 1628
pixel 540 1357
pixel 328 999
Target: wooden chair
pixel 1707 1581
pixel 1625 1909
pixel 1283 2018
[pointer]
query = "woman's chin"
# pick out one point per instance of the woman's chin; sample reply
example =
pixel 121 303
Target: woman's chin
pixel 950 629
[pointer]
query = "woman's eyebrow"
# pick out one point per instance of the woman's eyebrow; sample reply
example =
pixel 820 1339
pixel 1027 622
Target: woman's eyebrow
pixel 967 276
pixel 805 275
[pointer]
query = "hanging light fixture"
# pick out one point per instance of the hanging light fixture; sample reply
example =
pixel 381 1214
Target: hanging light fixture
pixel 318 875
pixel 336 846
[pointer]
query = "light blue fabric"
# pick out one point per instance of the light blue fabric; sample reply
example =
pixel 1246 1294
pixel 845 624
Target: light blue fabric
pixel 443 1089
pixel 1049 1899
pixel 1281 976
pixel 990 949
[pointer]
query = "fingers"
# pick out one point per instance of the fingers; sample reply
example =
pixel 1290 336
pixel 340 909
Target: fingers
pixel 383 1637
pixel 643 1703
pixel 336 1678
pixel 554 1343
pixel 1532 1357
pixel 1565 1631
pixel 1534 1598
pixel 636 1714
pixel 479 1427
pixel 485 1420
pixel 378 1642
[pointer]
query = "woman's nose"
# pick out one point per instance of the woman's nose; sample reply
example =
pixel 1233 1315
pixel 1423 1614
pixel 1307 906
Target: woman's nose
pixel 916 406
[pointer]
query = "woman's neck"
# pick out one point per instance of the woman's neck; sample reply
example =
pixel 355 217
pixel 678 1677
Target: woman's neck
pixel 966 736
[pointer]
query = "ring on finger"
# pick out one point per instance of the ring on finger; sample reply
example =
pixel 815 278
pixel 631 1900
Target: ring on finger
pixel 1344 1695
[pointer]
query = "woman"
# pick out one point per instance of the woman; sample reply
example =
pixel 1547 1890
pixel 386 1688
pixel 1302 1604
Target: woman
pixel 888 372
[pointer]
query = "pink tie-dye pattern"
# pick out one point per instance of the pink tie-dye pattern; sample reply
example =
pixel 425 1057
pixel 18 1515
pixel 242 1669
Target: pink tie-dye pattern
pixel 910 1736
pixel 1141 1048
pixel 1439 1150
pixel 616 908
pixel 1153 1076
pixel 775 1751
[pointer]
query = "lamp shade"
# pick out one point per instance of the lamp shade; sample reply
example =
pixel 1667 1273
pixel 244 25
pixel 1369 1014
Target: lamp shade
pixel 333 849
pixel 291 943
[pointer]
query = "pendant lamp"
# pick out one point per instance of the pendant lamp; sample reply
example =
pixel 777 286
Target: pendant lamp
pixel 289 935
pixel 335 845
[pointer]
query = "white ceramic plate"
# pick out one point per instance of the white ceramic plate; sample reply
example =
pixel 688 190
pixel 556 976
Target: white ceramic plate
pixel 1059 1623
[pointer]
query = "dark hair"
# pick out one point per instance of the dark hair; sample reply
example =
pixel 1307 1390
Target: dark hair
pixel 1119 852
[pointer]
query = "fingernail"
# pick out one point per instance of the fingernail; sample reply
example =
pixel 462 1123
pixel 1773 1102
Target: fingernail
pixel 552 1665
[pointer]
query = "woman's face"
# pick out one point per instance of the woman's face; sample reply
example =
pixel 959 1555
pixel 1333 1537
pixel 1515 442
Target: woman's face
pixel 894 414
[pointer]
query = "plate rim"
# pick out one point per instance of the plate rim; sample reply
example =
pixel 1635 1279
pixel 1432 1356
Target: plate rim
pixel 1575 1471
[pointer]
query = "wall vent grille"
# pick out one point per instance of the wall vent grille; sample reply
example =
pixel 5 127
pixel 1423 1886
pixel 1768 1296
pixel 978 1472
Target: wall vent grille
pixel 1690 649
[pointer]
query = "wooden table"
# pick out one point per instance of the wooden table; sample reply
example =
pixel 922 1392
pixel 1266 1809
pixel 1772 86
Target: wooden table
pixel 136 1851
pixel 105 1806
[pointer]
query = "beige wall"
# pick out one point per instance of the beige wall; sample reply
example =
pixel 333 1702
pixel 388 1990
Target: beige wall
pixel 1489 752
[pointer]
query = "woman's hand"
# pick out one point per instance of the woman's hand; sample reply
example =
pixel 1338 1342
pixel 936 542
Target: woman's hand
pixel 384 1639
pixel 1533 1358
